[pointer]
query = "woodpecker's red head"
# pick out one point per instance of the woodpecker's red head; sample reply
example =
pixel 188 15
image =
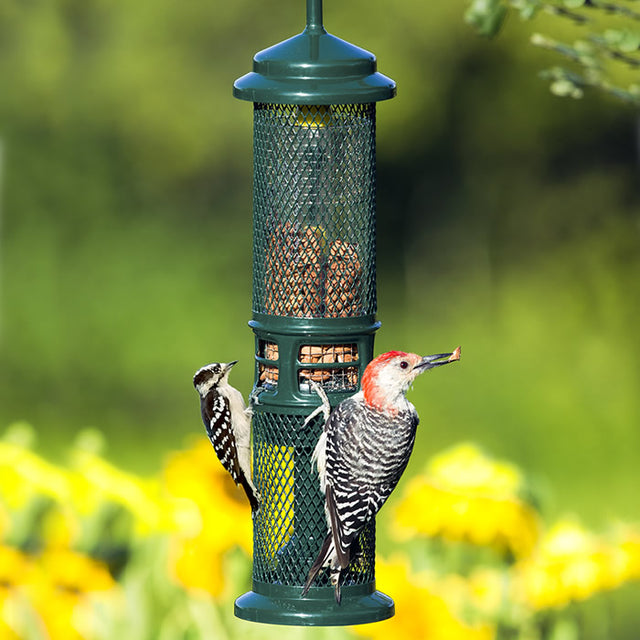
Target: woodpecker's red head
pixel 388 377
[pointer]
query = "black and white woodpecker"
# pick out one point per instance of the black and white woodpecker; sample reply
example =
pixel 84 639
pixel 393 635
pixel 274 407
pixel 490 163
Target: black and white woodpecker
pixel 363 451
pixel 228 423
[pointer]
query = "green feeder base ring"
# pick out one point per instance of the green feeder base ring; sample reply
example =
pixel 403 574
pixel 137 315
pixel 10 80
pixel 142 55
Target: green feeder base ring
pixel 276 604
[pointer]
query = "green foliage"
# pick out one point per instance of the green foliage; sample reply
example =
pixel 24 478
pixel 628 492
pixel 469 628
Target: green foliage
pixel 606 57
pixel 486 16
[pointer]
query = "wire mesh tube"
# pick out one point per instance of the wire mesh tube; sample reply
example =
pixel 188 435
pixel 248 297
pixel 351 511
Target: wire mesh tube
pixel 291 525
pixel 314 304
pixel 314 210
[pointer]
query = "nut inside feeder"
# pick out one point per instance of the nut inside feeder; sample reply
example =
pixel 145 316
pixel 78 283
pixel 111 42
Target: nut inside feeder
pixel 327 362
pixel 313 308
pixel 327 373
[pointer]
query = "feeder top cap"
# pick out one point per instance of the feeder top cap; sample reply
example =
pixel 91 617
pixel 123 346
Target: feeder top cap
pixel 311 68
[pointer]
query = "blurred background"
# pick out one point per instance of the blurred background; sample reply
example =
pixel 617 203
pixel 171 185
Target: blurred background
pixel 508 222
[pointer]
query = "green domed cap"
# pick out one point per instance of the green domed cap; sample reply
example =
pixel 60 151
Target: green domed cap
pixel 314 67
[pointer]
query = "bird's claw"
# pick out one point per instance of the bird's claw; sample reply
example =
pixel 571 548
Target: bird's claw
pixel 254 396
pixel 312 415
pixel 324 408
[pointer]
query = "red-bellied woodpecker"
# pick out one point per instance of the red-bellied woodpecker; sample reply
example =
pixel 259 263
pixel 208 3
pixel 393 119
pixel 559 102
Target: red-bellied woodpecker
pixel 363 451
pixel 228 424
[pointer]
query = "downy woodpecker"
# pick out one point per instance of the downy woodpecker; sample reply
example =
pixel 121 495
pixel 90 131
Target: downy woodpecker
pixel 363 451
pixel 228 424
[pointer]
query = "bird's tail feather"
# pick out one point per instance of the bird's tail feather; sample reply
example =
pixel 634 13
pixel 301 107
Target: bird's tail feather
pixel 251 492
pixel 323 556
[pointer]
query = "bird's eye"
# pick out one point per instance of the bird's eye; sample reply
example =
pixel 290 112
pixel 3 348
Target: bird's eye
pixel 216 369
pixel 404 364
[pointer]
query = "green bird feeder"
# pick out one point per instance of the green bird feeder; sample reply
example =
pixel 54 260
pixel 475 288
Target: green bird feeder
pixel 314 304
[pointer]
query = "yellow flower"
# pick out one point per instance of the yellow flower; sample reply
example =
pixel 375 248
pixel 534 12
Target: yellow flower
pixel 198 564
pixel 488 590
pixel 65 589
pixel 60 527
pixel 25 477
pixel 75 572
pixel 15 569
pixel 628 544
pixel 105 482
pixel 210 515
pixel 466 469
pixel 570 564
pixel 421 611
pixel 465 496
pixel 23 474
pixel 10 620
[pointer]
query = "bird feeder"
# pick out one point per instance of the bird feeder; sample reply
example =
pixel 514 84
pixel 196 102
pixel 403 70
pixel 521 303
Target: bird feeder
pixel 314 304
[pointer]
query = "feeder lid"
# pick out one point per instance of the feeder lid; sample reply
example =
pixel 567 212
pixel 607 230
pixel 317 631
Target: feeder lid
pixel 314 67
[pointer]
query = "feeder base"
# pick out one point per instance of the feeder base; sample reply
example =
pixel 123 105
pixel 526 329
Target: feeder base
pixel 276 604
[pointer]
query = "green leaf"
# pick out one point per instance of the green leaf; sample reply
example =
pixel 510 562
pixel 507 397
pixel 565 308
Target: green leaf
pixel 625 40
pixel 565 88
pixel 586 54
pixel 573 4
pixel 487 16
pixel 583 47
pixel 565 629
pixel 529 11
pixel 539 40
pixel 527 8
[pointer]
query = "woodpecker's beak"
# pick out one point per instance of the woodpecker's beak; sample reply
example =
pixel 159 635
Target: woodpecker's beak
pixel 229 365
pixel 436 360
